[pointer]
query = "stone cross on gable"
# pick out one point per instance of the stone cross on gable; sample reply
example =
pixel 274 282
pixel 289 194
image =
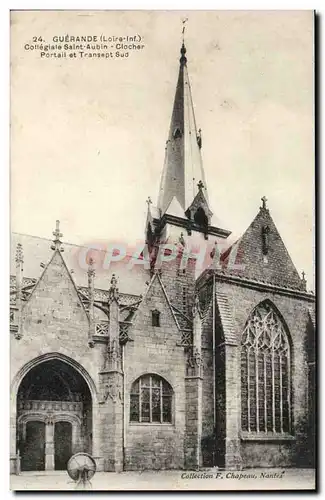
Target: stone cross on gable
pixel 57 237
pixel 264 200
pixel 149 202
pixel 200 185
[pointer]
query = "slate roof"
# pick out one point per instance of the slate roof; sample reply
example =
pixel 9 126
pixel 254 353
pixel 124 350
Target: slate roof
pixel 225 317
pixel 252 260
pixel 37 250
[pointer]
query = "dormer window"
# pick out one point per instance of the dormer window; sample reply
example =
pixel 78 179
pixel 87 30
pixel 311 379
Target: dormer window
pixel 155 315
pixel 201 218
pixel 177 133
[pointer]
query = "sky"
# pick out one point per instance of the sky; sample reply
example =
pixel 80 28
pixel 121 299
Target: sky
pixel 88 136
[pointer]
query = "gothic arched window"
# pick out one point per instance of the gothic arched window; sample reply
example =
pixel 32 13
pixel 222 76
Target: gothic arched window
pixel 151 400
pixel 265 373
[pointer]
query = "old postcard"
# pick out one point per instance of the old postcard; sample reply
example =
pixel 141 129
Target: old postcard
pixel 162 305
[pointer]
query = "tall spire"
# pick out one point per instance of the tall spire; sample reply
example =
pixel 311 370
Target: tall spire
pixel 183 168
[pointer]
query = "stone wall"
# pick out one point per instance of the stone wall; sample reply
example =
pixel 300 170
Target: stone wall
pixel 231 449
pixel 55 326
pixel 155 350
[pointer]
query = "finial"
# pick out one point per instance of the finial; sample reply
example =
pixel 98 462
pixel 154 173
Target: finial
pixel 57 235
pixel 200 185
pixel 149 202
pixel 213 251
pixel 303 279
pixel 264 200
pixel 19 253
pixel 113 291
pixel 91 270
pixel 182 240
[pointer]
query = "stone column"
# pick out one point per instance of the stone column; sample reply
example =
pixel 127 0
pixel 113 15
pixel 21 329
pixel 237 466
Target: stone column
pixel 19 286
pixel 91 296
pixel 193 422
pixel 232 407
pixel 193 397
pixel 13 450
pixel 49 444
pixel 111 387
pixel 75 438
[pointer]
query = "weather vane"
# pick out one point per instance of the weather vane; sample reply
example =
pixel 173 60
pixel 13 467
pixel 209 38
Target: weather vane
pixel 183 30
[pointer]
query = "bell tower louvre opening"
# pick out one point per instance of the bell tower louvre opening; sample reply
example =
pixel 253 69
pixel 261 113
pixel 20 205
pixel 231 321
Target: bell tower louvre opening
pixel 54 416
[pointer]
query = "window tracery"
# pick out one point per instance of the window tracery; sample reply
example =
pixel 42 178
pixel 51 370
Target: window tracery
pixel 151 400
pixel 265 373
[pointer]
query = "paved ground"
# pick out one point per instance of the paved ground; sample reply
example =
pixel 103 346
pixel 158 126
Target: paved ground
pixel 173 480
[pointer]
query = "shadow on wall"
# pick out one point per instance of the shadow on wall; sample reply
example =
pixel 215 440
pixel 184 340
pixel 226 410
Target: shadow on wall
pixel 212 455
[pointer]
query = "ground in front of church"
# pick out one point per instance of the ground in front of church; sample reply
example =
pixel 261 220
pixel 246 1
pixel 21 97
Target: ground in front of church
pixel 208 479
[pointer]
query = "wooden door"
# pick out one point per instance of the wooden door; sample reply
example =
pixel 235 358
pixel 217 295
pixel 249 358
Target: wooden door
pixel 62 444
pixel 33 447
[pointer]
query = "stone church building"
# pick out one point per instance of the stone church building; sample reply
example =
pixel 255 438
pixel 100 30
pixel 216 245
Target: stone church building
pixel 164 363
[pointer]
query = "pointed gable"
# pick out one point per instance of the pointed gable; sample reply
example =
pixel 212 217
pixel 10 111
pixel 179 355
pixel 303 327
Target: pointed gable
pixel 53 301
pixel 199 202
pixel 261 255
pixel 156 300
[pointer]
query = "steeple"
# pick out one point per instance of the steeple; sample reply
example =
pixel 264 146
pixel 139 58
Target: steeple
pixel 183 168
pixel 183 204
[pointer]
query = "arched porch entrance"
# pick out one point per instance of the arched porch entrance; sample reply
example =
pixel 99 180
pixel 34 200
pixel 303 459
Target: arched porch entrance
pixel 54 416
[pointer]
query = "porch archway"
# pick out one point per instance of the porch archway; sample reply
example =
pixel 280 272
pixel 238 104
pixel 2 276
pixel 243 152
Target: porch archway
pixel 53 415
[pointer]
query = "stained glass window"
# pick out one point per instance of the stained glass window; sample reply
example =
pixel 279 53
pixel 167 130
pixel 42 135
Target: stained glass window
pixel 151 400
pixel 265 373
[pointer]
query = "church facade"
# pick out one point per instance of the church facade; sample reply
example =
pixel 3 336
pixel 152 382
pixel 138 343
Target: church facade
pixel 163 363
